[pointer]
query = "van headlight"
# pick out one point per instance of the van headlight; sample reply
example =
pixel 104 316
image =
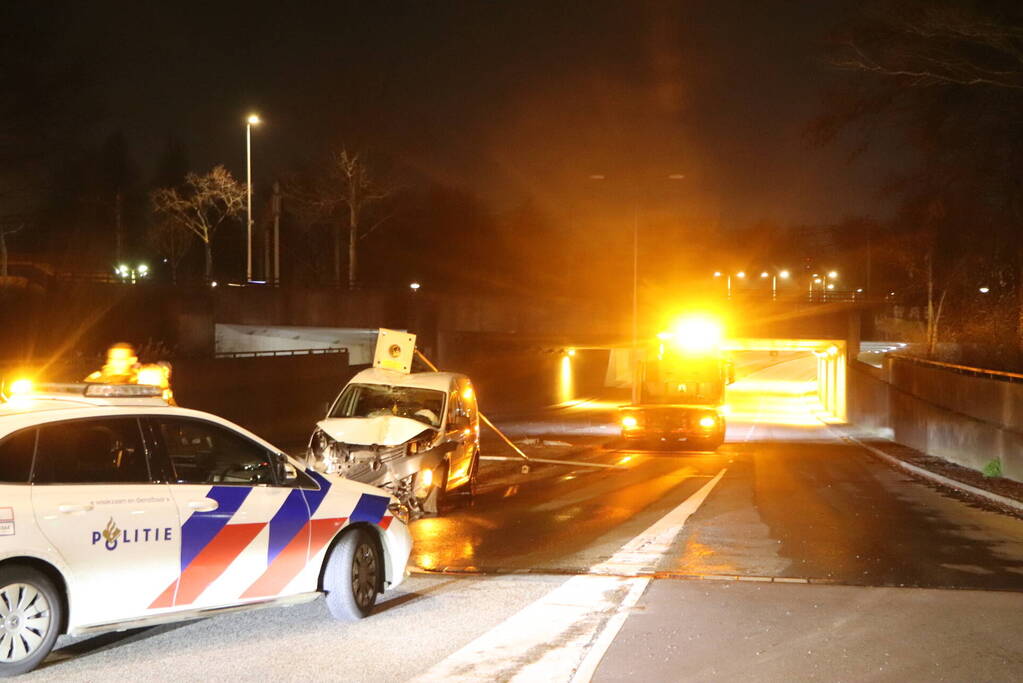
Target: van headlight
pixel 417 446
pixel 398 510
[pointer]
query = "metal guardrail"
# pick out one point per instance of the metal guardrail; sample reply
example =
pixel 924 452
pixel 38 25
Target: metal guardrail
pixel 962 369
pixel 285 352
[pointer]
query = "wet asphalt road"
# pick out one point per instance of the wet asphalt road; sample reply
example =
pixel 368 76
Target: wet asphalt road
pixel 793 502
pixel 796 501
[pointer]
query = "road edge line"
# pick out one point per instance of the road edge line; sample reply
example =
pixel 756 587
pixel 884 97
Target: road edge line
pixel 933 476
pixel 599 647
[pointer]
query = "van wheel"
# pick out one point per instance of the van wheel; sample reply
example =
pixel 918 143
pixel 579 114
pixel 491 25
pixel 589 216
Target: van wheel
pixel 31 612
pixel 352 576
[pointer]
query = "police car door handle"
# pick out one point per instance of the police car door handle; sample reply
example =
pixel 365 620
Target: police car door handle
pixel 204 505
pixel 74 509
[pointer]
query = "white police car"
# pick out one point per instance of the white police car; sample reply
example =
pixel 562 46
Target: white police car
pixel 118 510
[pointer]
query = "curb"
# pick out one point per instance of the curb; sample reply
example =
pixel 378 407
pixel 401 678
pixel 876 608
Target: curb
pixel 941 479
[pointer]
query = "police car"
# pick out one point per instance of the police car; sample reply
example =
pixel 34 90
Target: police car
pixel 118 510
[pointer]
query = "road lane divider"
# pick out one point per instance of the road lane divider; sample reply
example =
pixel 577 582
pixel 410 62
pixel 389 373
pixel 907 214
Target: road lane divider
pixel 564 635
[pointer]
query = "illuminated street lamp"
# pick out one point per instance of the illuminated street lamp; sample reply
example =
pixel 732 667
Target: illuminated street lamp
pixel 984 290
pixel 132 274
pixel 728 280
pixel 414 287
pixel 783 274
pixel 252 120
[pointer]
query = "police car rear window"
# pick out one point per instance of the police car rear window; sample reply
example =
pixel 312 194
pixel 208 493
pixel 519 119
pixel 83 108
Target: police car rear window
pixel 16 456
pixel 93 451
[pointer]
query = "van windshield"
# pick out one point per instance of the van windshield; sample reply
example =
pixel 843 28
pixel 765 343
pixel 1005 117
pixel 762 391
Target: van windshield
pixel 379 400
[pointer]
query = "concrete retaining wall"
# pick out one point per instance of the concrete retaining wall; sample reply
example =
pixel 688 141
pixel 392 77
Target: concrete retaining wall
pixel 964 418
pixel 278 398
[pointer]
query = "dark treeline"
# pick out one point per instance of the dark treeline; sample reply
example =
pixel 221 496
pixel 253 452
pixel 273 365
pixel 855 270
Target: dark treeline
pixel 943 83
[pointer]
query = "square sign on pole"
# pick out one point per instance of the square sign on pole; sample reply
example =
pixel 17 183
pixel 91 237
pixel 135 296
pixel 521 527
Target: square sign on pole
pixel 394 350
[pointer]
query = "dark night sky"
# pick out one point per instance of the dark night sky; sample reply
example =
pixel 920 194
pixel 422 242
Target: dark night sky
pixel 513 100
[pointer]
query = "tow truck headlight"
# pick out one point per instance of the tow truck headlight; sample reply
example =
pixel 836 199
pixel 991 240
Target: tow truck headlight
pixel 630 422
pixel 708 421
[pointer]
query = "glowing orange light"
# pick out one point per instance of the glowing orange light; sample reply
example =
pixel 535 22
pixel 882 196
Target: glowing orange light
pixel 630 422
pixel 698 333
pixel 21 387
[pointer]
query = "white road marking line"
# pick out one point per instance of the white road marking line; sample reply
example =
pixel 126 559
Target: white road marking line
pixel 564 635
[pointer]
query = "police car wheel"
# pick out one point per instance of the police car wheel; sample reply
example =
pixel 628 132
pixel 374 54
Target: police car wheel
pixel 31 612
pixel 352 576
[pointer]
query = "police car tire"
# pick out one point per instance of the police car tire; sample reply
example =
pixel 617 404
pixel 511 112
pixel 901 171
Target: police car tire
pixel 347 597
pixel 15 574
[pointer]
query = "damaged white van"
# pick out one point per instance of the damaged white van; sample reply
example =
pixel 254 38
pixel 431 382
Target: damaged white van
pixel 416 435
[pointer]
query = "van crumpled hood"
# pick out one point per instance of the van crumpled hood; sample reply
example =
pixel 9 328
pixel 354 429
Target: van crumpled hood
pixel 386 430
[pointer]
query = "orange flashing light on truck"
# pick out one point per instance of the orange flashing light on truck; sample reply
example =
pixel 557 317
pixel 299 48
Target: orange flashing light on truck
pixel 681 388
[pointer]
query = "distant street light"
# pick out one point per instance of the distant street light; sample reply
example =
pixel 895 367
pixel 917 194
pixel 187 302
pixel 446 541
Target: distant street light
pixel 984 290
pixel 783 274
pixel 132 274
pixel 252 120
pixel 414 287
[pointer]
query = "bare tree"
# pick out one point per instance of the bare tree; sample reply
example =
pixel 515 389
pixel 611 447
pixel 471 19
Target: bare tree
pixel 356 191
pixel 171 240
pixel 204 202
pixel 926 44
pixel 344 196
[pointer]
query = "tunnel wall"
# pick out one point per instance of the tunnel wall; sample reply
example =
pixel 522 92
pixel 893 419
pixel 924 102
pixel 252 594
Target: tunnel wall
pixel 967 418
pixel 867 398
pixel 514 376
pixel 277 398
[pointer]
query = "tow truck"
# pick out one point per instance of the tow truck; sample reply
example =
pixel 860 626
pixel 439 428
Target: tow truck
pixel 681 378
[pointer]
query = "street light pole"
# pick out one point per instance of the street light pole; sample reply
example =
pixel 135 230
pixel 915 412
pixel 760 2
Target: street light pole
pixel 634 356
pixel 635 304
pixel 249 123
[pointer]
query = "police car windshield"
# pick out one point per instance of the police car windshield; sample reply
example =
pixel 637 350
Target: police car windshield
pixel 378 400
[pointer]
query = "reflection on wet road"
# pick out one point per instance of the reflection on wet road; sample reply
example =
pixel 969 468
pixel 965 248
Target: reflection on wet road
pixel 795 503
